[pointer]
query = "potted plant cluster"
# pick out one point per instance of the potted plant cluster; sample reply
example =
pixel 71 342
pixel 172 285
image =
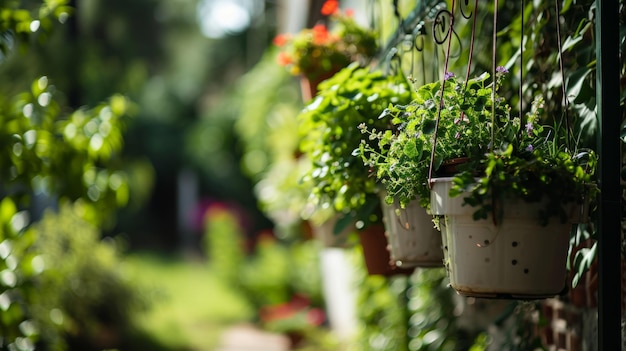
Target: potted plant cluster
pixel 402 156
pixel 317 53
pixel 329 126
pixel 496 244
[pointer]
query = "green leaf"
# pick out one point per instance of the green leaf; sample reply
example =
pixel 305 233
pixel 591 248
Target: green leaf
pixel 428 127
pixel 566 6
pixel 7 210
pixel 410 149
pixel 582 261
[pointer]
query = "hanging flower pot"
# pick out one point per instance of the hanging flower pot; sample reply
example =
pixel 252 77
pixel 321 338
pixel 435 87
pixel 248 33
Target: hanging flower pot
pixel 308 86
pixel 316 53
pixel 376 252
pixel 413 240
pixel 516 257
pixel 325 234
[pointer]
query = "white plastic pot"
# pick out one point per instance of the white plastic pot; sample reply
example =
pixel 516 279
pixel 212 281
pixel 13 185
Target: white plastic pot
pixel 327 237
pixel 413 240
pixel 518 258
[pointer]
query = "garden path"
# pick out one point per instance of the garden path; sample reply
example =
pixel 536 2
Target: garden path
pixel 246 337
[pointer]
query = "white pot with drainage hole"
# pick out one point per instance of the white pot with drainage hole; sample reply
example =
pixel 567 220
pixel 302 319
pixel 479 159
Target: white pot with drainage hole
pixel 412 237
pixel 518 258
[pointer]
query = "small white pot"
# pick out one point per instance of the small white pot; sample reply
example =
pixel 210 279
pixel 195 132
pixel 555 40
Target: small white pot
pixel 518 258
pixel 325 234
pixel 413 240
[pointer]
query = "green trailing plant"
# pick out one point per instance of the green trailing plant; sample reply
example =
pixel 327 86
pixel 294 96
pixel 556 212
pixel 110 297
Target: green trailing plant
pixel 401 158
pixel 531 162
pixel 329 128
pixel 506 156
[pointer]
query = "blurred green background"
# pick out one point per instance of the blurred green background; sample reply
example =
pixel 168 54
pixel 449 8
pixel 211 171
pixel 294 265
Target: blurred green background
pixel 140 228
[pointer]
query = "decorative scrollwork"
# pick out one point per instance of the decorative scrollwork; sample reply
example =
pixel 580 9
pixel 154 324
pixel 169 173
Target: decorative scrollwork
pixel 393 62
pixel 442 26
pixel 465 6
pixel 418 36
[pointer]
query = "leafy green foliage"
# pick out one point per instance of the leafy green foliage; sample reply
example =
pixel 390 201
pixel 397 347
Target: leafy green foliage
pixel 70 157
pixel 19 272
pixel 414 313
pixel 403 155
pixel 269 275
pixel 329 128
pixel 533 164
pixel 83 282
pixel 19 23
pixel 270 101
pixel 224 244
pixel 61 285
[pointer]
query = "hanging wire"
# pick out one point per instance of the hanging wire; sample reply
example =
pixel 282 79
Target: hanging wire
pixel 493 72
pixel 521 74
pixel 441 23
pixel 448 35
pixel 471 52
pixel 568 135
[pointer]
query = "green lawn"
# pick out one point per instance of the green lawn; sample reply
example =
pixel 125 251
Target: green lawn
pixel 190 307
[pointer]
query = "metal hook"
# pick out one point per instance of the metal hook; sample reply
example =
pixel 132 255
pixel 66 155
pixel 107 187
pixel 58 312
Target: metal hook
pixel 393 62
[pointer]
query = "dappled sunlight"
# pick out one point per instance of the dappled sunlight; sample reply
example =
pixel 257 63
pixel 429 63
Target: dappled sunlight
pixel 282 175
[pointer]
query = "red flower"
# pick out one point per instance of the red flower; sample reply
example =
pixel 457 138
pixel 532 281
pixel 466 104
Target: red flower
pixel 330 7
pixel 349 12
pixel 284 59
pixel 281 39
pixel 320 34
pixel 315 316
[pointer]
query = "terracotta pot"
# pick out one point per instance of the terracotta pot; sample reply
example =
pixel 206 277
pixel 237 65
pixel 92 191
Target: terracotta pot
pixel 376 252
pixel 308 86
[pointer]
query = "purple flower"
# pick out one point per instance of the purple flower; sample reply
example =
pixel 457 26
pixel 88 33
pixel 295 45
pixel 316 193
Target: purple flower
pixel 529 128
pixel 529 148
pixel 448 75
pixel 502 70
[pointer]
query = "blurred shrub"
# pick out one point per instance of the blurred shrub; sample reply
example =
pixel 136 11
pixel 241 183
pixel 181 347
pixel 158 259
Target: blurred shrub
pixel 270 101
pixel 67 291
pixel 82 276
pixel 224 243
pixel 272 273
pixel 20 273
pixel 409 313
pixel 67 156
pixel 382 314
